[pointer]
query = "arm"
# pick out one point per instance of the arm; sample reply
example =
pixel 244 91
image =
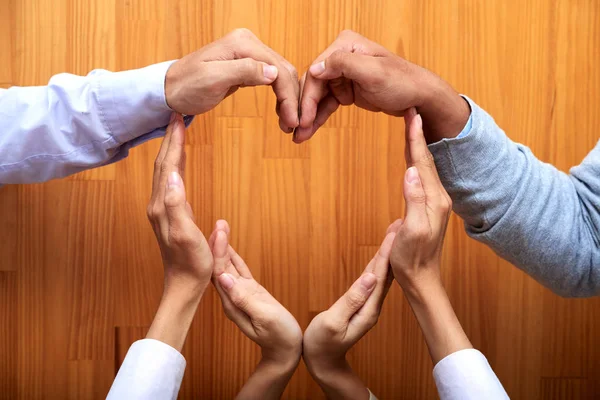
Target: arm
pixel 259 316
pixel 332 333
pixel 154 367
pixel 76 123
pixel 542 220
pixel 460 371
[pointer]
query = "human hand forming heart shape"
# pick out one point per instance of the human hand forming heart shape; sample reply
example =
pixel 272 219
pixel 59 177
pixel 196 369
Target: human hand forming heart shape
pixel 353 70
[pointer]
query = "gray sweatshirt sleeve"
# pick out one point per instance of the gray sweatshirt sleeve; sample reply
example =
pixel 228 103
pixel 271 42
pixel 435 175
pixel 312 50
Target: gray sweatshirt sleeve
pixel 540 219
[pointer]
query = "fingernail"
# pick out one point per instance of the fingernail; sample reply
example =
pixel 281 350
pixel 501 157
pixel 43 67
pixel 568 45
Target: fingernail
pixel 173 181
pixel 173 116
pixel 419 122
pixel 318 68
pixel 270 72
pixel 412 176
pixel 368 281
pixel 226 281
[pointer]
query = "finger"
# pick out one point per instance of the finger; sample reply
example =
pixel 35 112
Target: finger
pixel 220 225
pixel 416 221
pixel 239 264
pixel 313 91
pixel 352 301
pixel 173 155
pixel 243 72
pixel 380 267
pixel 233 313
pixel 421 157
pixel 162 151
pixel 285 85
pixel 222 256
pixel 175 201
pixel 409 115
pixel 326 108
pixel 342 90
pixel 360 68
pixel 240 292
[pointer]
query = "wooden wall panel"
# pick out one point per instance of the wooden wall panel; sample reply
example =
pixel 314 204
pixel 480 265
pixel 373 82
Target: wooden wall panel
pixel 81 273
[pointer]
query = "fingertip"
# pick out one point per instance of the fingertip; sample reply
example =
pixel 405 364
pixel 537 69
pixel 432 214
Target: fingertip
pixel 412 176
pixel 368 281
pixel 174 181
pixel 270 72
pixel 226 281
pixel 221 244
pixel 317 69
pixel 222 225
pixel 410 113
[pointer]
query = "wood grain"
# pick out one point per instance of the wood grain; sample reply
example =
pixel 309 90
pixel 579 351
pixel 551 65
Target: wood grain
pixel 81 273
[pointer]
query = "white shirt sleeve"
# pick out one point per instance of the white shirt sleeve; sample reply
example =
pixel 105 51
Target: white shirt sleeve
pixel 151 370
pixel 79 122
pixel 467 375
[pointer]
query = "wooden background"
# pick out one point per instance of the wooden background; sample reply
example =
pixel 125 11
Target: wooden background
pixel 80 272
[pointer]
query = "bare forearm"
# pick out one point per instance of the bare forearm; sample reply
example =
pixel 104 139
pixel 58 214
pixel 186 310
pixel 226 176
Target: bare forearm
pixel 339 382
pixel 440 326
pixel 268 381
pixel 174 317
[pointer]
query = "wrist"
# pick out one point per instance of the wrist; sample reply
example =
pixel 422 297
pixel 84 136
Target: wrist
pixel 338 381
pixel 422 287
pixel 279 368
pixel 444 111
pixel 327 369
pixel 285 360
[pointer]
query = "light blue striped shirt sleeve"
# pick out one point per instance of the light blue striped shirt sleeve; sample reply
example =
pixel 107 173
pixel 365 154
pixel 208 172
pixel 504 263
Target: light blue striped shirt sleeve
pixel 466 129
pixel 79 122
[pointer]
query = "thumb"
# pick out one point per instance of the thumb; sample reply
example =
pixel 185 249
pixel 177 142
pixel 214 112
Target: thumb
pixel 416 200
pixel 354 66
pixel 244 72
pixel 355 297
pixel 240 294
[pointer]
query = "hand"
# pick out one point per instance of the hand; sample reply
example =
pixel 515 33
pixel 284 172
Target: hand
pixel 259 316
pixel 185 252
pixel 333 332
pixel 201 80
pixel 355 70
pixel 186 256
pixel 418 246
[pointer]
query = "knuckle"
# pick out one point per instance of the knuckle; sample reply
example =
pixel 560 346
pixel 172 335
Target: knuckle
pixel 180 238
pixel 150 212
pixel 241 33
pixel 292 70
pixel 330 325
pixel 165 167
pixel 241 301
pixel 346 33
pixel 426 160
pixel 418 196
pixel 355 300
pixel 372 320
pixel 247 65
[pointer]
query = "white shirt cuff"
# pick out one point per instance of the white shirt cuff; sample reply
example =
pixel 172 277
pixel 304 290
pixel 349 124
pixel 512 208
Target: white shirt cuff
pixel 467 375
pixel 151 370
